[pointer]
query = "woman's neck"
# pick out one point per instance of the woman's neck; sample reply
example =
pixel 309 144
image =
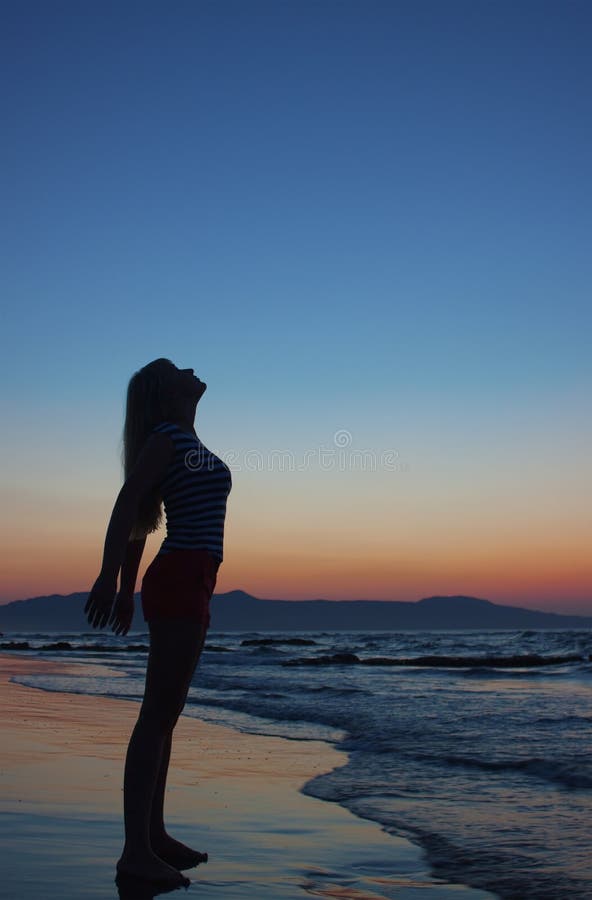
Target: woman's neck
pixel 184 425
pixel 184 417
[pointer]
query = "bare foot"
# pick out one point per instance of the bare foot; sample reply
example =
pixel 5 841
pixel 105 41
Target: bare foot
pixel 149 867
pixel 177 854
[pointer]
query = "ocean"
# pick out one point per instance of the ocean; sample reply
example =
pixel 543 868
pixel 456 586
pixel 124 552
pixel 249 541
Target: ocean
pixel 484 764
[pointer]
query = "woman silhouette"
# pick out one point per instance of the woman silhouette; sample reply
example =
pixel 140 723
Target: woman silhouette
pixel 164 460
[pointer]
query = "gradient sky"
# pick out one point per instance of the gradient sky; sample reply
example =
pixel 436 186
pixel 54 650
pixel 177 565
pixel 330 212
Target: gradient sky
pixel 367 227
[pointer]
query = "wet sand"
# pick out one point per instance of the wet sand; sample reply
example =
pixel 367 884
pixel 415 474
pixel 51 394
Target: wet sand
pixel 233 795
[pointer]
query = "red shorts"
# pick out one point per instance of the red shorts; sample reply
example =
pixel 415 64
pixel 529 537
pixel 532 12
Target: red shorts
pixel 179 584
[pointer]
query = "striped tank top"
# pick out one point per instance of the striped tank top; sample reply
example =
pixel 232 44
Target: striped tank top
pixel 194 491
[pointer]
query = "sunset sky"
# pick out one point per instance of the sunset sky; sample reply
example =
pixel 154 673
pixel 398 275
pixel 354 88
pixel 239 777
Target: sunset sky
pixel 367 226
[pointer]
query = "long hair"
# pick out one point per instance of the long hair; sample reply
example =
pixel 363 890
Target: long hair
pixel 146 406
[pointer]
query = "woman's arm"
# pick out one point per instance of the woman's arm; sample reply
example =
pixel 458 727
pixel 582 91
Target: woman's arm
pixel 122 613
pixel 119 528
pixel 147 473
pixel 131 564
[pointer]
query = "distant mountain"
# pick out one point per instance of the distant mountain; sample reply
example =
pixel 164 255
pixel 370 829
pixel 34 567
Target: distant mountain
pixel 239 611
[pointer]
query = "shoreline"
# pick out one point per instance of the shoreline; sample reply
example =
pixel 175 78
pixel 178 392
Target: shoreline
pixel 235 795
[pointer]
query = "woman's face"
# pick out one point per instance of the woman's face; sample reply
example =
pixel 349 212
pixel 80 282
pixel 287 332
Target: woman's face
pixel 182 383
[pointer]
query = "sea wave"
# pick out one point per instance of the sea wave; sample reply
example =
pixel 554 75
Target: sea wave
pixel 574 774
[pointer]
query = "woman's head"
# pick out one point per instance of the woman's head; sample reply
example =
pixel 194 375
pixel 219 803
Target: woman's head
pixel 160 391
pixel 157 392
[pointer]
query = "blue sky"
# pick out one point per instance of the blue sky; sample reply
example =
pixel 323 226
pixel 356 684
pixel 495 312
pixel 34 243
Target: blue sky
pixel 368 216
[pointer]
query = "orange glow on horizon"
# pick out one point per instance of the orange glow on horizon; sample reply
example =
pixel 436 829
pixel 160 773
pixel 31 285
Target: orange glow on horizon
pixel 402 541
pixel 517 575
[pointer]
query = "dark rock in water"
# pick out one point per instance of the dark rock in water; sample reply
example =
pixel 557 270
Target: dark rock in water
pixel 85 648
pixel 215 648
pixel 468 662
pixel 345 658
pixel 266 642
pixel 336 659
pixel 59 645
pixel 443 662
pixel 106 648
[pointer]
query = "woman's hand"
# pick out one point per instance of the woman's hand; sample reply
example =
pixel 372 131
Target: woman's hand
pixel 122 613
pixel 100 600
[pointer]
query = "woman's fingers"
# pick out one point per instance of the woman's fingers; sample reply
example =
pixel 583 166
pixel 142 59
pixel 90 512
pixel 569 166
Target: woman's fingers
pixel 99 602
pixel 118 625
pixel 97 611
pixel 96 614
pixel 114 617
pixel 122 615
pixel 97 618
pixel 89 603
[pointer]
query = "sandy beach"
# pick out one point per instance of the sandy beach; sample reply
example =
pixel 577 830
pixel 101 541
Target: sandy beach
pixel 233 795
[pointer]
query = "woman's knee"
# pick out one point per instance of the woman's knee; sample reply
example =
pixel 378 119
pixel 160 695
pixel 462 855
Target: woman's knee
pixel 160 722
pixel 161 707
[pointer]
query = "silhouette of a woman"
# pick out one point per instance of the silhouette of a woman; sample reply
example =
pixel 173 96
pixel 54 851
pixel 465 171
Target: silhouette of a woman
pixel 164 460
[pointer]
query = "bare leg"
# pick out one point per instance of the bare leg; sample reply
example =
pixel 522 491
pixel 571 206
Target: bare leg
pixel 175 646
pixel 166 847
pixel 157 829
